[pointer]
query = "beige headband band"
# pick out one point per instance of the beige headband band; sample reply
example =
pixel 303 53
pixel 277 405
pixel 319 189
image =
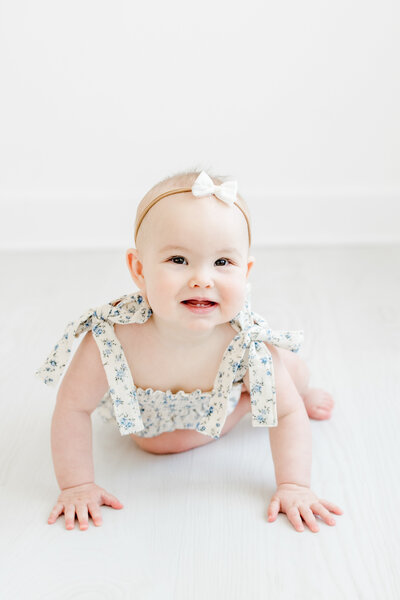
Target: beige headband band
pixel 141 214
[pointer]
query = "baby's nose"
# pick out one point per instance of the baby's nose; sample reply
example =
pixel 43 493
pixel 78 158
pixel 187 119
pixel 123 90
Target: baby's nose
pixel 201 278
pixel 201 283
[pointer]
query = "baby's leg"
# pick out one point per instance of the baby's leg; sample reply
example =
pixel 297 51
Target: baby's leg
pixel 318 402
pixel 181 440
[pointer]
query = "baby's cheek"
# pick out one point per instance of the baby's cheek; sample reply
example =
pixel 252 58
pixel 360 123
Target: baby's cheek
pixel 166 284
pixel 236 296
pixel 162 288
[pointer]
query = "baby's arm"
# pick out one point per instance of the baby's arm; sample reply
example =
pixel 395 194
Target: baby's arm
pixel 291 440
pixel 291 451
pixel 83 385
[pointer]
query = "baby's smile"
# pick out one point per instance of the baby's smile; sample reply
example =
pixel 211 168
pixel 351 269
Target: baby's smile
pixel 200 305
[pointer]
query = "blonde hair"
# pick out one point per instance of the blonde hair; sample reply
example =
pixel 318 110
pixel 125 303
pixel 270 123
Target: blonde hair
pixel 179 183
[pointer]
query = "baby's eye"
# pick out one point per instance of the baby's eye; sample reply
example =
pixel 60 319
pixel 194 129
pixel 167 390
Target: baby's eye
pixel 175 260
pixel 223 260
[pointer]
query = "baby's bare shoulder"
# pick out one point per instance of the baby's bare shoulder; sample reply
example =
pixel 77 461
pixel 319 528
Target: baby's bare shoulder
pixel 85 381
pixel 131 335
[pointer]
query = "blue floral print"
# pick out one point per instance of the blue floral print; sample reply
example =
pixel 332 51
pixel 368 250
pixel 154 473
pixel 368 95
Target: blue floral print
pixel 149 412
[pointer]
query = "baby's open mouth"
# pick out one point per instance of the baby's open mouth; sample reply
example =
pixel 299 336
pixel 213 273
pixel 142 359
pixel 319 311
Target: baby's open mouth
pixel 199 302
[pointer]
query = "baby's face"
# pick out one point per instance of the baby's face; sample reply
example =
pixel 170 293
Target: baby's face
pixel 192 248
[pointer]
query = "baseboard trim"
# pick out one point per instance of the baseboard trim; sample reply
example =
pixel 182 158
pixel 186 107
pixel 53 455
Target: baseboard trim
pixel 295 219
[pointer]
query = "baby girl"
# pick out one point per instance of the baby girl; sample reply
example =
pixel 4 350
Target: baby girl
pixel 177 364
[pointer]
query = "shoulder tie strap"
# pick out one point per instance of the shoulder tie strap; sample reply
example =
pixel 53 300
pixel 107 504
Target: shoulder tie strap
pixel 101 320
pixel 261 375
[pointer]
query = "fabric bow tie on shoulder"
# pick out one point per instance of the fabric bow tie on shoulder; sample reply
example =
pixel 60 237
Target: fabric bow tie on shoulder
pixel 101 321
pixel 204 186
pixel 249 346
pixel 246 348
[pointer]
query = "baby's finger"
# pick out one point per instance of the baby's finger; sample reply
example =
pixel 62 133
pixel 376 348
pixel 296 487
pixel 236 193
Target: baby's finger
pixel 111 500
pixel 95 513
pixel 273 510
pixel 69 511
pixel 309 518
pixel 330 506
pixel 295 518
pixel 55 513
pixel 318 509
pixel 82 514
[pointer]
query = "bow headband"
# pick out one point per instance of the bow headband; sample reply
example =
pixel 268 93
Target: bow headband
pixel 203 186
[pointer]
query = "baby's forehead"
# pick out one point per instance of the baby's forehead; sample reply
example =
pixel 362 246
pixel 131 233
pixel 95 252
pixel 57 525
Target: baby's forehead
pixel 198 224
pixel 185 206
pixel 188 216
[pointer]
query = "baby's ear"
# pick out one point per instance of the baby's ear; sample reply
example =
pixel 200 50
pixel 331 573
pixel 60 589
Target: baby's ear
pixel 135 267
pixel 250 263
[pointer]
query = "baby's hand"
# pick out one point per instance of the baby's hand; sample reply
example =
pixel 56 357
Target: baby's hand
pixel 296 500
pixel 79 499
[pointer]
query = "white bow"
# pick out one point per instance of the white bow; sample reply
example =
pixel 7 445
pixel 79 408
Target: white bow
pixel 204 185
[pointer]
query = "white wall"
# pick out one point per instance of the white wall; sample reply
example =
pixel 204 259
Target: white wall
pixel 296 100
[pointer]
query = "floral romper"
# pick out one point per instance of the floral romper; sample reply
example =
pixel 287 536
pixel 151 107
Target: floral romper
pixel 149 412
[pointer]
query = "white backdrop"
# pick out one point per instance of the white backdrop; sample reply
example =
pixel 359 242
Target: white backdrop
pixel 296 100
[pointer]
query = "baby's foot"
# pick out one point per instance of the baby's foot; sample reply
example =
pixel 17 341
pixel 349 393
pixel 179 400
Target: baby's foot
pixel 318 403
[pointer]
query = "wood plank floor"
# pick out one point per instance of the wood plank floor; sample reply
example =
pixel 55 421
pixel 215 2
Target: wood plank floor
pixel 194 524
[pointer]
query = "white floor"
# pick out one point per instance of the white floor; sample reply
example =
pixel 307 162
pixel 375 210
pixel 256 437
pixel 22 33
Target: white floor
pixel 194 524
